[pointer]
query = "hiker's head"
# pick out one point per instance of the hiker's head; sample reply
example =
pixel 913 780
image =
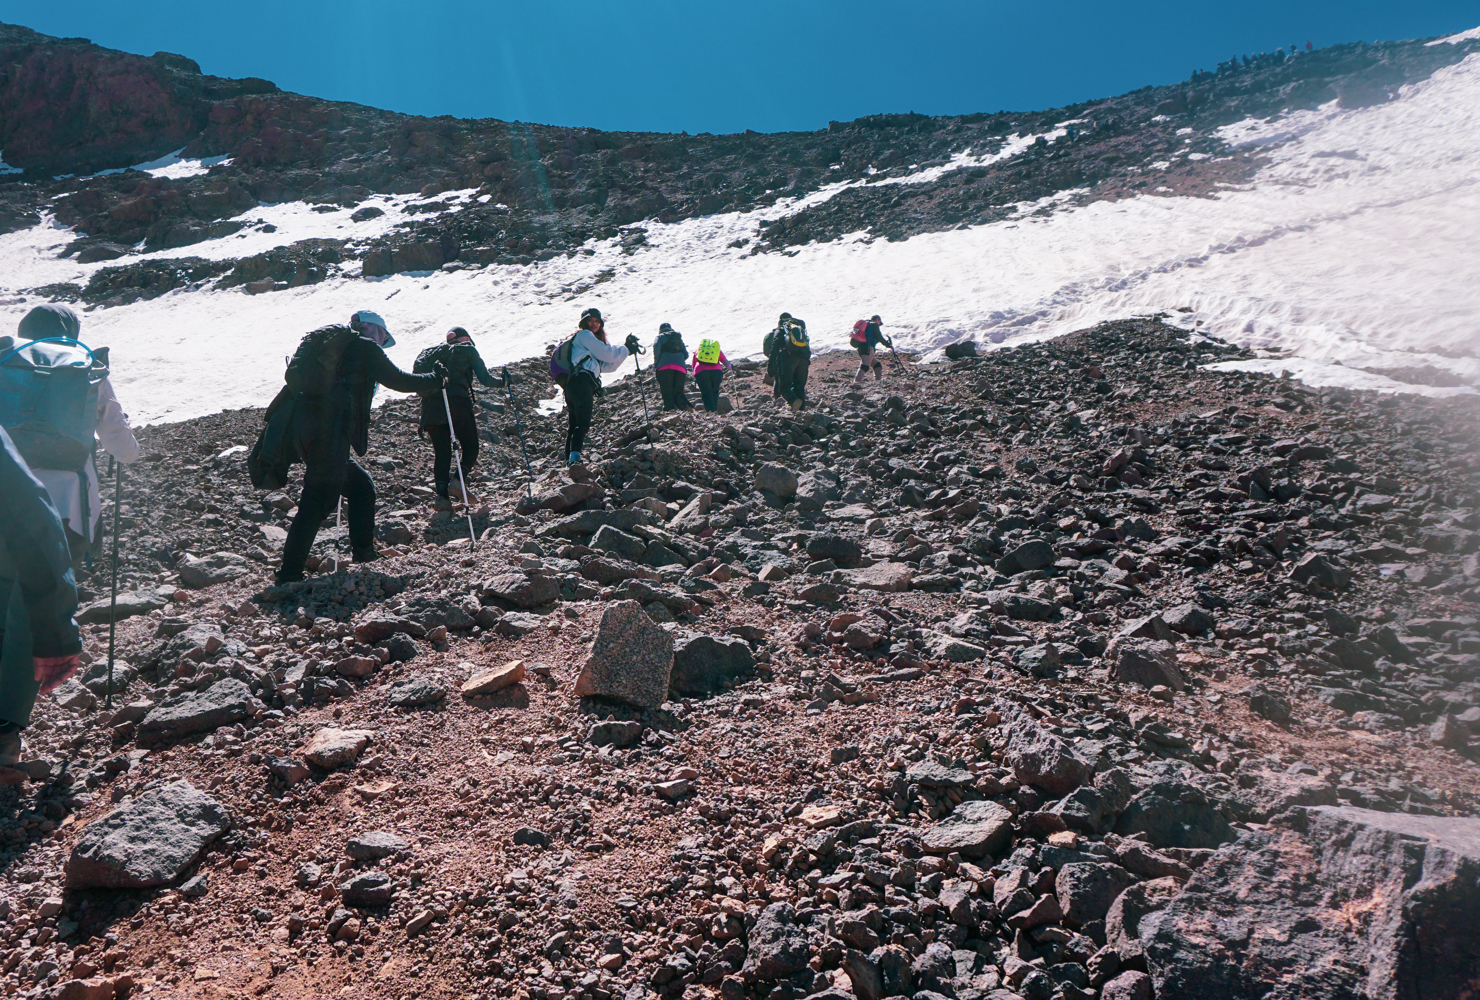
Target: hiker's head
pixel 591 320
pixel 50 320
pixel 785 318
pixel 369 325
pixel 457 335
pixel 875 319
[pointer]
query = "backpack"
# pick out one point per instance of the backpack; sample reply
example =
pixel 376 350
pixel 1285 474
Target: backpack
pixel 708 352
pixel 561 366
pixel 769 344
pixel 860 332
pixel 797 335
pixel 49 400
pixel 314 368
pixel 426 361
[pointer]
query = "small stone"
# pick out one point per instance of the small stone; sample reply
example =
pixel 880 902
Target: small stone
pixel 357 666
pixel 420 922
pixel 333 748
pixel 528 836
pixel 198 572
pixel 887 577
pixel 673 790
pixel 820 817
pixel 368 889
pixel 374 845
pixel 487 682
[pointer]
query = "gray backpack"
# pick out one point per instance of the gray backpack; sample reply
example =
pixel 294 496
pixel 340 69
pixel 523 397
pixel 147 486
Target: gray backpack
pixel 49 399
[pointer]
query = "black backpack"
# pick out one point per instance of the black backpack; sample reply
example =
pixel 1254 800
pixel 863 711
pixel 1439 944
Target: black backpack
pixel 426 361
pixel 315 367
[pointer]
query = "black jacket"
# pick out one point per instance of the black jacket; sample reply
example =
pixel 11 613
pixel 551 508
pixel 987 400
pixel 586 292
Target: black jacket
pixel 33 550
pixel 463 364
pixel 364 367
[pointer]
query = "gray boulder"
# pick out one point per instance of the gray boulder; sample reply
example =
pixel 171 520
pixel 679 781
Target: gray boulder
pixel 618 542
pixel 1020 606
pixel 130 604
pixel 197 572
pixel 777 480
pixel 939 646
pixel 520 589
pixel 224 703
pixel 1146 662
pixel 977 828
pixel 1123 921
pixel 415 692
pixel 148 842
pixel 778 947
pixel 841 549
pixel 1039 757
pixel 1189 619
pixel 1175 814
pixel 368 889
pixel 588 522
pixel 631 659
pixel 707 664
pixel 1030 555
pixel 1086 889
pixel 1327 902
pixel 374 845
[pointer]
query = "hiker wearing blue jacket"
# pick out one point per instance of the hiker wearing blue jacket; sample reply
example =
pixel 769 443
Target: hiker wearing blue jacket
pixel 590 357
pixel 39 644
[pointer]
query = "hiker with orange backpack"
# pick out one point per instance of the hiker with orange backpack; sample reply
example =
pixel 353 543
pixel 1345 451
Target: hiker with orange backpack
pixel 866 338
pixel 710 364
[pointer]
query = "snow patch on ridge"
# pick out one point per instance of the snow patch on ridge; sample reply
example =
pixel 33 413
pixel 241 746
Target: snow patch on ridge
pixel 1358 242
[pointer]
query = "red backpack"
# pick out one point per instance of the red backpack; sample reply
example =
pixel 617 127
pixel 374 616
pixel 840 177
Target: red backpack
pixel 860 332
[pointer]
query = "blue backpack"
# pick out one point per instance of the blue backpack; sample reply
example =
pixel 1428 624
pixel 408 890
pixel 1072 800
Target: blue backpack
pixel 49 399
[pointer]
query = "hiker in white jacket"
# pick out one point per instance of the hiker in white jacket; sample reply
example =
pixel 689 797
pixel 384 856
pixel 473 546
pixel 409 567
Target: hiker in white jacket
pixel 590 356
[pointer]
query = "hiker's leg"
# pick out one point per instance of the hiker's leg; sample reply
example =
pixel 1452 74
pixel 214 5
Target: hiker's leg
pixel 18 687
pixel 359 502
pixel 465 425
pixel 441 455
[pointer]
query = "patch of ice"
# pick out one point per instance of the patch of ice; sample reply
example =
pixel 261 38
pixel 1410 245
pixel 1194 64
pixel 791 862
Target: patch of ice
pixel 6 168
pixel 1463 36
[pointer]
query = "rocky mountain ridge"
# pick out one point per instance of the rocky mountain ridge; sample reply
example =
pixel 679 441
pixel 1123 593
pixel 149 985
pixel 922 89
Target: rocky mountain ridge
pixel 522 192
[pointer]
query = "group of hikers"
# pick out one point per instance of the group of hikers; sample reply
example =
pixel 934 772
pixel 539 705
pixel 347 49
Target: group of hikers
pixel 57 408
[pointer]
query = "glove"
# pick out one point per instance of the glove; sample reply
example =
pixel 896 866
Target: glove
pixel 633 347
pixel 440 370
pixel 51 672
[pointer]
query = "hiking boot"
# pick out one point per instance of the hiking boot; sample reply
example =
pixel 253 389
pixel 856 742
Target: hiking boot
pixel 796 406
pixel 366 554
pixel 443 501
pixel 574 459
pixel 283 577
pixel 12 747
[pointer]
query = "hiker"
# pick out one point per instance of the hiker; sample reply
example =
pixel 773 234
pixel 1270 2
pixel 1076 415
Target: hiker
pixel 670 360
pixel 867 336
pixel 332 378
pixel 79 394
pixel 590 356
pixel 790 356
pixel 463 364
pixel 39 644
pixel 710 365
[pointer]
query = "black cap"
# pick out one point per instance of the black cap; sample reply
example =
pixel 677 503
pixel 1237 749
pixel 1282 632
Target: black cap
pixel 665 328
pixel 785 317
pixel 50 320
pixel 875 319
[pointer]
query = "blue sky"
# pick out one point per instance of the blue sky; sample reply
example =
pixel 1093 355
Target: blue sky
pixel 721 66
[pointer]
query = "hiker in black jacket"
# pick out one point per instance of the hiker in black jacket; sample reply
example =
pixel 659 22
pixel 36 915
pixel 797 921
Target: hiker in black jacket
pixel 463 364
pixel 39 644
pixel 326 427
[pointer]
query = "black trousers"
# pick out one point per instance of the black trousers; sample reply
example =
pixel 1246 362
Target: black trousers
pixel 791 376
pixel 709 387
pixel 465 426
pixel 670 384
pixel 580 403
pixel 321 433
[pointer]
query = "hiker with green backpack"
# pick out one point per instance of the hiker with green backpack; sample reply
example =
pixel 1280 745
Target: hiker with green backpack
pixel 319 417
pixel 789 355
pixel 710 365
pixel 463 364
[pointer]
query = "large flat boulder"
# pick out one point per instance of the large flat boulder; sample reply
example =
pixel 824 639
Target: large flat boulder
pixel 522 590
pixel 631 658
pixel 588 522
pixel 887 577
pixel 198 572
pixel 977 828
pixel 189 713
pixel 1020 606
pixel 1329 901
pixel 130 604
pixel 148 842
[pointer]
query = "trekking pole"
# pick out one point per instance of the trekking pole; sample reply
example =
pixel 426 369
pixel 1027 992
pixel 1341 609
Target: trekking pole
pixel 457 456
pixel 519 427
pixel 113 600
pixel 641 387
